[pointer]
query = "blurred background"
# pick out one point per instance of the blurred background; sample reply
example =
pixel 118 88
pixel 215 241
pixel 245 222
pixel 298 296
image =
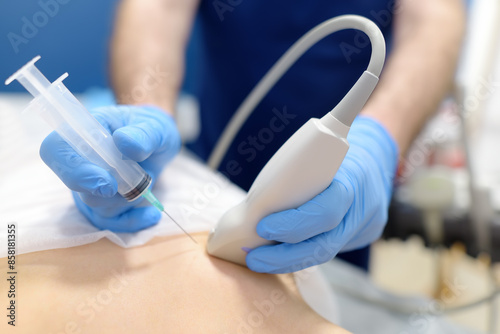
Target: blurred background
pixel 442 240
pixel 73 39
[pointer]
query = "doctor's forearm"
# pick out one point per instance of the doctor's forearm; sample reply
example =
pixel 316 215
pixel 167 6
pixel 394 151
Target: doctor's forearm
pixel 147 51
pixel 419 73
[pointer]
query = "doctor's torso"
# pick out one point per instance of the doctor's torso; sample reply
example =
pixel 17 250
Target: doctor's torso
pixel 240 40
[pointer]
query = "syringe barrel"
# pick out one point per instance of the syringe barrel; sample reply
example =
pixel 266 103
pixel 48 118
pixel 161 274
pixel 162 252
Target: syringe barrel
pixel 73 122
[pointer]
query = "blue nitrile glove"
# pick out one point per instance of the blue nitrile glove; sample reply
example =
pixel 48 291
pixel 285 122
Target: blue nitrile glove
pixel 145 134
pixel 351 213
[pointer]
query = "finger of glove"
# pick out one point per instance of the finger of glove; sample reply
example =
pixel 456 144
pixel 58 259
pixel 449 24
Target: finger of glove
pixel 321 214
pixel 141 138
pixel 132 220
pixel 370 232
pixel 117 203
pixel 77 173
pixel 286 258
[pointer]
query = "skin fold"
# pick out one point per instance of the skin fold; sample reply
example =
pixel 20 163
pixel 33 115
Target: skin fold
pixel 169 285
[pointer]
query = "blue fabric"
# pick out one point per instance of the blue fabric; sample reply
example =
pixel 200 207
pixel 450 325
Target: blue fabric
pixel 234 54
pixel 71 36
pixel 359 257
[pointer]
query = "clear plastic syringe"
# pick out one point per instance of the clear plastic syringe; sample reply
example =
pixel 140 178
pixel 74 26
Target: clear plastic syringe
pixel 72 121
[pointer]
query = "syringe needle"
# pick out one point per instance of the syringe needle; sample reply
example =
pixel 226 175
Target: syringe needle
pixel 148 195
pixel 189 235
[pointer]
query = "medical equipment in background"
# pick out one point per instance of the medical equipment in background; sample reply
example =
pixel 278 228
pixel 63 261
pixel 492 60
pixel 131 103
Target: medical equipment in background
pixel 69 118
pixel 481 47
pixel 467 124
pixel 473 219
pixel 308 161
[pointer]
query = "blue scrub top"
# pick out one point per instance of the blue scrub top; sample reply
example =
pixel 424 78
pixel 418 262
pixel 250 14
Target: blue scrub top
pixel 240 41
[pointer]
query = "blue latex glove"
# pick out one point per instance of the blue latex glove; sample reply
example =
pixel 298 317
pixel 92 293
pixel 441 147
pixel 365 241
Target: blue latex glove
pixel 144 134
pixel 351 213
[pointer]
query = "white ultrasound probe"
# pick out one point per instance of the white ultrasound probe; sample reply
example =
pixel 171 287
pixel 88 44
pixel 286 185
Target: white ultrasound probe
pixel 308 161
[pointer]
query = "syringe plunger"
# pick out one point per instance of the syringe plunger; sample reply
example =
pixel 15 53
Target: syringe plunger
pixel 69 118
pixel 31 78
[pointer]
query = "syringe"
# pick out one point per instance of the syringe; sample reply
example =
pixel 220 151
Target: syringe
pixel 72 121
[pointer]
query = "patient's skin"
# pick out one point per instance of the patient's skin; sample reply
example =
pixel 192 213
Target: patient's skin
pixel 169 285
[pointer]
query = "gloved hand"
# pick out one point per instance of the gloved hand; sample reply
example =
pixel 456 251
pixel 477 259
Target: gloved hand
pixel 145 134
pixel 351 213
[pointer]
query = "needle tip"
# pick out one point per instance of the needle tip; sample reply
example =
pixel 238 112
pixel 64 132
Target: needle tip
pixel 183 230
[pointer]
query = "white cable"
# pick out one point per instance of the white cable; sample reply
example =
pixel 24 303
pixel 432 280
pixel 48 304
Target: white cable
pixel 287 60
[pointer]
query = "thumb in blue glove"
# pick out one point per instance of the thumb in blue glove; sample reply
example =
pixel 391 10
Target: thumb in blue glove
pixel 350 214
pixel 144 134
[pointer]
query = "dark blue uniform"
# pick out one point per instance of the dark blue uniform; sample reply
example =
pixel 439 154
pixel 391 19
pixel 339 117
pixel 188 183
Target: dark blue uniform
pixel 240 41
